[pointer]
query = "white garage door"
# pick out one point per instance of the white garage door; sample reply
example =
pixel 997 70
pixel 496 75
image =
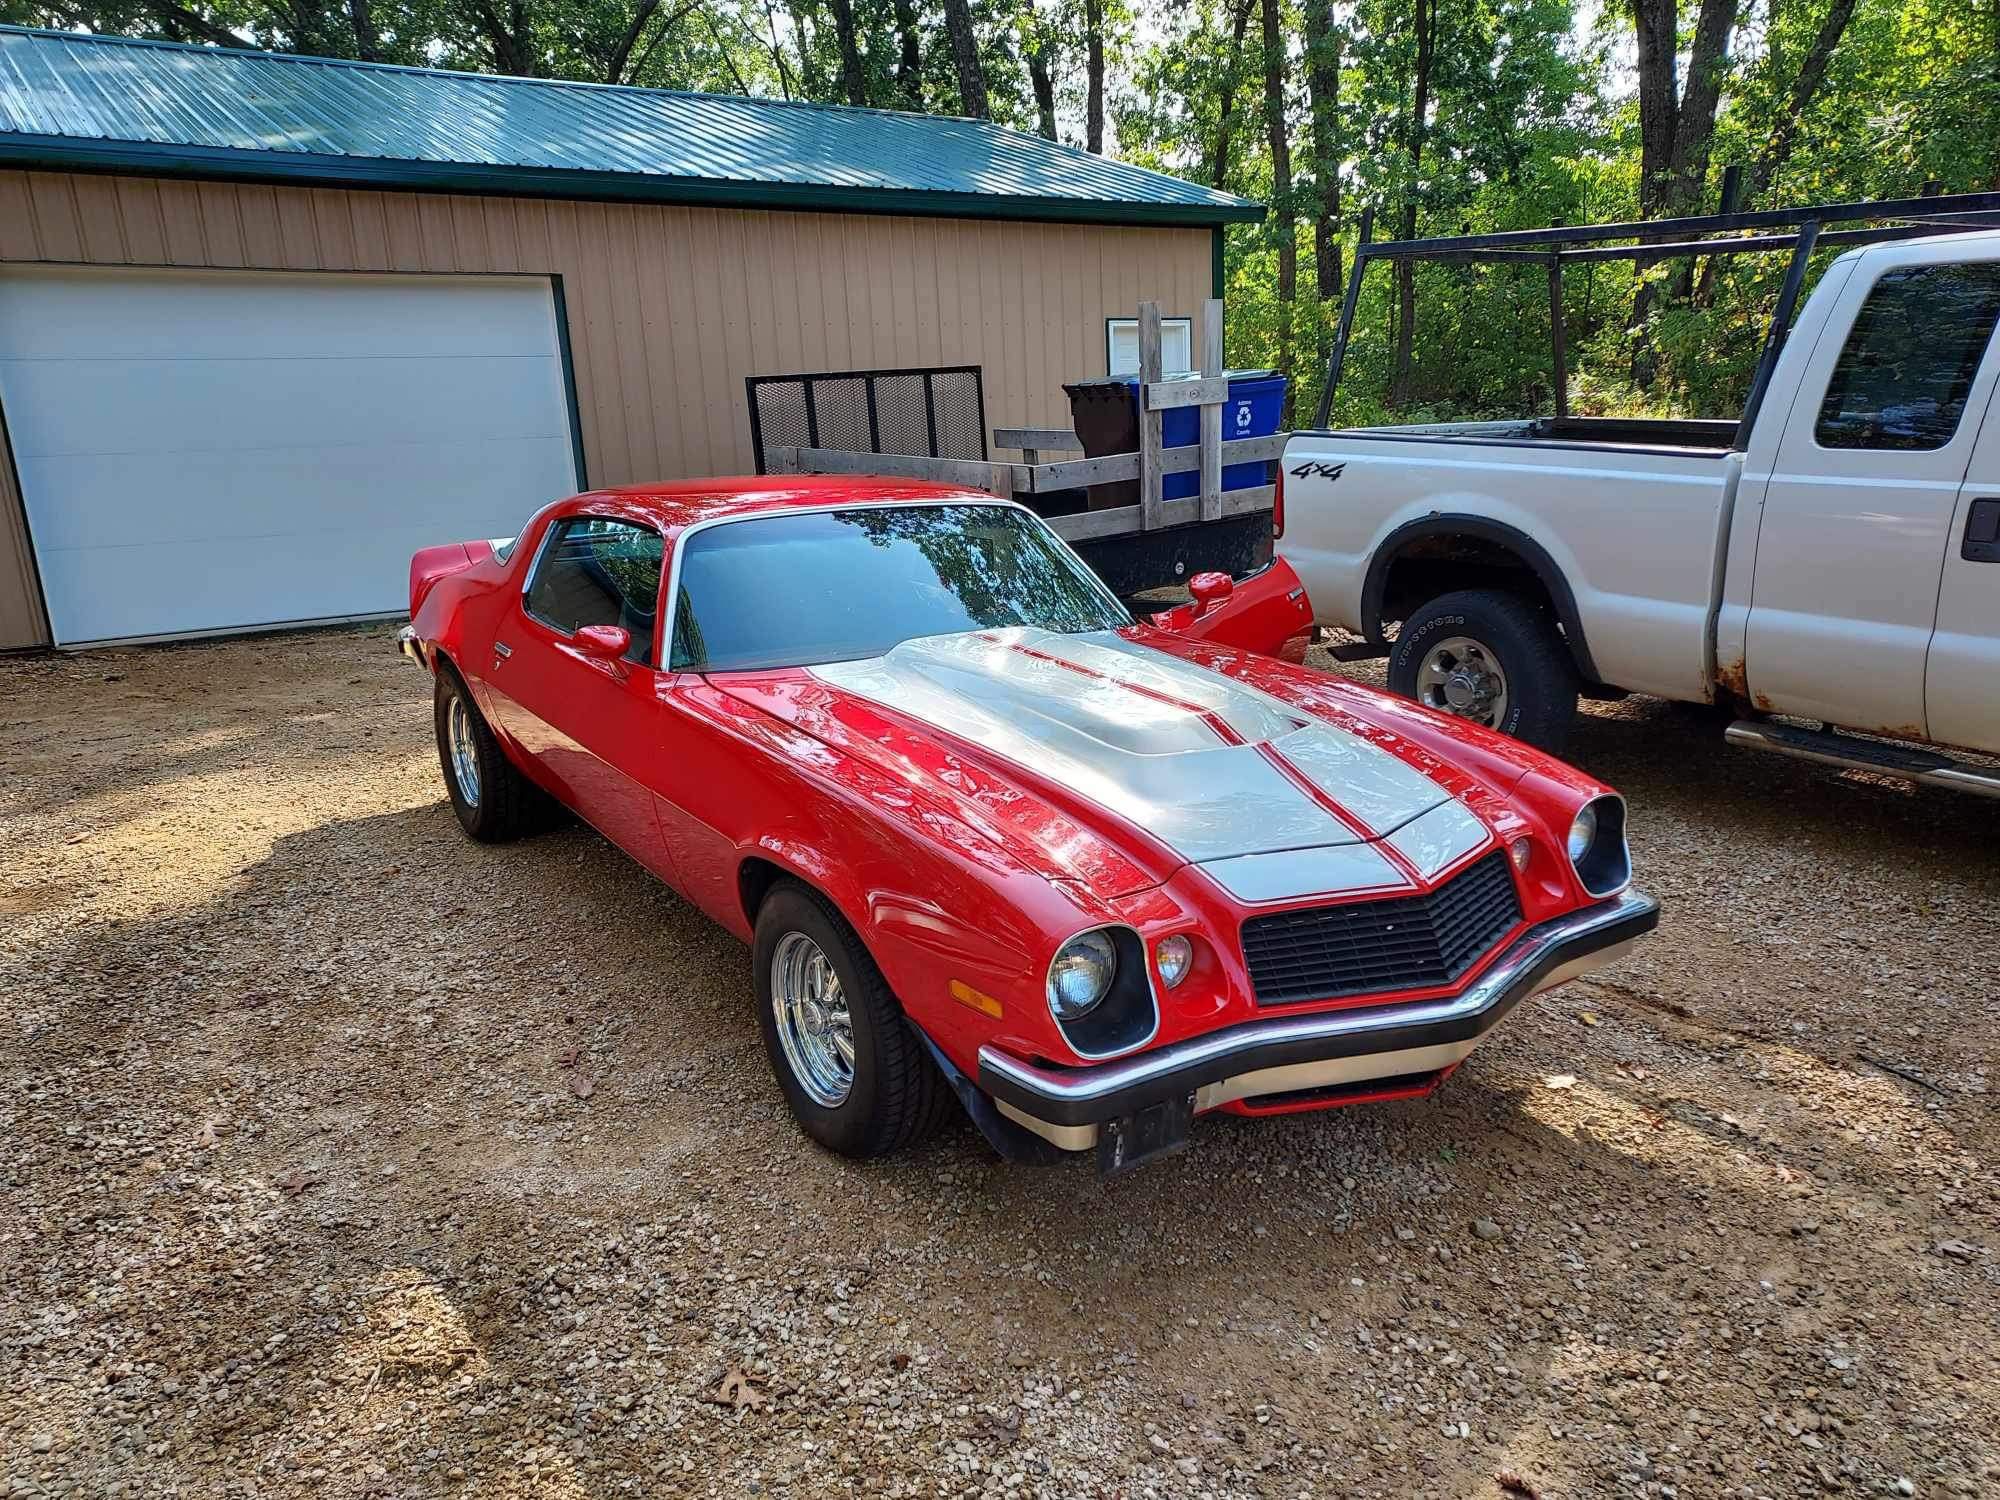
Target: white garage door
pixel 205 451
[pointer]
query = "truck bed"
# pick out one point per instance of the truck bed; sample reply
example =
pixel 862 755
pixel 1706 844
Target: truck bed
pixel 1664 434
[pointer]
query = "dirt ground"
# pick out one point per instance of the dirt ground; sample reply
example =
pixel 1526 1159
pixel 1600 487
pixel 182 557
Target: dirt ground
pixel 341 1156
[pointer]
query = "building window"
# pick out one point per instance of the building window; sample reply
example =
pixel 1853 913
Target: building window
pixel 1121 346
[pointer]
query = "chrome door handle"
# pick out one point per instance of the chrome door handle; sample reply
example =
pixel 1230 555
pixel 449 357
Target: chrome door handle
pixel 501 650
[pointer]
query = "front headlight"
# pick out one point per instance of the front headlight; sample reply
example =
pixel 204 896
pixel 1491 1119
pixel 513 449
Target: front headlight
pixel 1582 833
pixel 1081 975
pixel 1597 849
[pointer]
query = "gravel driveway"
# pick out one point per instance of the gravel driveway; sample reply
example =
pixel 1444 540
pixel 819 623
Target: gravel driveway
pixel 341 1156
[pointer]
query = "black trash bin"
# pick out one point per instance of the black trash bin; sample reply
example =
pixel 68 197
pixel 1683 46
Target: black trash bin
pixel 1106 419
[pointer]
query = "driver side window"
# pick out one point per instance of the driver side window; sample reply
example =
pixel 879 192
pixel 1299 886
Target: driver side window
pixel 598 571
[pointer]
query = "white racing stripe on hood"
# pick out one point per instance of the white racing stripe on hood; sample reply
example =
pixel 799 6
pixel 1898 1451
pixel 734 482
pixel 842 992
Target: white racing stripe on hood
pixel 1148 736
pixel 1155 764
pixel 1306 872
pixel 1442 836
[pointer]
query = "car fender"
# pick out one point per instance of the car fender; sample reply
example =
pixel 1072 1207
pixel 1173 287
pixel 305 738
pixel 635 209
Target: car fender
pixel 1265 611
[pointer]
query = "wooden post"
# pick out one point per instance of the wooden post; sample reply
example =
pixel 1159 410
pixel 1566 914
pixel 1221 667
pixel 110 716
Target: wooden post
pixel 1211 415
pixel 1150 447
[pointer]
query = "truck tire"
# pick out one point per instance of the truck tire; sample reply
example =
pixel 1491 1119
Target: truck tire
pixel 1492 657
pixel 853 1069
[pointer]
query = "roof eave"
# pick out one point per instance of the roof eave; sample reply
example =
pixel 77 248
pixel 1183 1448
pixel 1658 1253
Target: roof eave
pixel 67 153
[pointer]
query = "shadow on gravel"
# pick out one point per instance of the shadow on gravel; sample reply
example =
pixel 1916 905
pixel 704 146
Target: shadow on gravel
pixel 1672 757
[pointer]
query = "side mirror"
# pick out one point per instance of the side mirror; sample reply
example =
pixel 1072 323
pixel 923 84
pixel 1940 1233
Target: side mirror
pixel 604 642
pixel 1209 590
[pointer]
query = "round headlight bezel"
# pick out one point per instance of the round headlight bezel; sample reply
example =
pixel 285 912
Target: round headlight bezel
pixel 1604 866
pixel 1582 833
pixel 1075 957
pixel 1173 955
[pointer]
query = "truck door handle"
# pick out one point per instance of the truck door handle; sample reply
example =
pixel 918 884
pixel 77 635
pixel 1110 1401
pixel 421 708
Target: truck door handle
pixel 501 650
pixel 1982 532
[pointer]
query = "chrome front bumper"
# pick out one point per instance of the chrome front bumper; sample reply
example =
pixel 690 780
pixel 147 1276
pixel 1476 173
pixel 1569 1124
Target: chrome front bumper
pixel 1065 1106
pixel 410 646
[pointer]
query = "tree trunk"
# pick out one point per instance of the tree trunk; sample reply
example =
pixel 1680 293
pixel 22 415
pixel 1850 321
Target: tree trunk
pixel 910 61
pixel 853 75
pixel 1283 210
pixel 1225 115
pixel 614 68
pixel 1323 59
pixel 367 40
pixel 1406 284
pixel 1045 88
pixel 965 57
pixel 1093 112
pixel 179 19
pixel 1656 23
pixel 1805 86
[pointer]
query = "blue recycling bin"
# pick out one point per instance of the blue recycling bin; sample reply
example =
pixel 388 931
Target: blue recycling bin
pixel 1255 405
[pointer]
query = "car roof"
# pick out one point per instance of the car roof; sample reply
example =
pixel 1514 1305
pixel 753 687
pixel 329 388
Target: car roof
pixel 672 508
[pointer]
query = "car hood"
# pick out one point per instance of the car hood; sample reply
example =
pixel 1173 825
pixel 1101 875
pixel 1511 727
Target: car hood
pixel 1117 764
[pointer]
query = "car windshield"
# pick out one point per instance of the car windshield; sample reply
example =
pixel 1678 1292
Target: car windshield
pixel 795 590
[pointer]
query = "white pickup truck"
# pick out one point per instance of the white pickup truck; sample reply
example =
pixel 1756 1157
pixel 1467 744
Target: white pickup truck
pixel 1835 560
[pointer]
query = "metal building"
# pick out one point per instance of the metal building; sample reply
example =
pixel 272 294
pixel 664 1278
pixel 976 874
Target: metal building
pixel 269 323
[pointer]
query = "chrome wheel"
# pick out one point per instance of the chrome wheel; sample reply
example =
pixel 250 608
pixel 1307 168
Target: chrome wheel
pixel 1462 676
pixel 815 1031
pixel 464 750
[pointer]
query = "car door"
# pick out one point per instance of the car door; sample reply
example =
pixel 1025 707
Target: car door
pixel 591 724
pixel 1865 488
pixel 1962 675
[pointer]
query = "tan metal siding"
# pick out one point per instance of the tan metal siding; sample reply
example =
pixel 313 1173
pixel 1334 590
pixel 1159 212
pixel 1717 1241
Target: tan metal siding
pixel 669 308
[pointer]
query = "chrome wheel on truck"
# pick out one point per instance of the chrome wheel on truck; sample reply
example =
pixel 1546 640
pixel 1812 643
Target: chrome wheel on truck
pixel 1462 676
pixel 1491 657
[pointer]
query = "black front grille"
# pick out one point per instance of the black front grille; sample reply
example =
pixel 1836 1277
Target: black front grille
pixel 1408 943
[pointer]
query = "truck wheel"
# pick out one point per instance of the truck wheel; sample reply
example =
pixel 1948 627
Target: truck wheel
pixel 1491 657
pixel 853 1069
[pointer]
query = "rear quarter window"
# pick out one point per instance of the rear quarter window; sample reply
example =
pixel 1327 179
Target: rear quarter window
pixel 1910 360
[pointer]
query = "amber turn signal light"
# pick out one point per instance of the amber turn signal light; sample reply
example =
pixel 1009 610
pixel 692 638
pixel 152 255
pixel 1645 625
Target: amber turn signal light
pixel 978 1000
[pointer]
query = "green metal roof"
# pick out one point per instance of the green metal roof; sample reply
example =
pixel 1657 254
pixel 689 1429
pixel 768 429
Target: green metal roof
pixel 79 102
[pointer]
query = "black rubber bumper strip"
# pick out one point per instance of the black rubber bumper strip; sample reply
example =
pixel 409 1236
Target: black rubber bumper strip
pixel 1107 1091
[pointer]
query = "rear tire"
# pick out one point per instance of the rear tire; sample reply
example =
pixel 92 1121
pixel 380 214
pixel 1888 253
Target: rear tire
pixel 493 800
pixel 1491 657
pixel 855 1072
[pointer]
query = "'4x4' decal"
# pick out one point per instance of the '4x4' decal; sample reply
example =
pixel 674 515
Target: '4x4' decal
pixel 1328 472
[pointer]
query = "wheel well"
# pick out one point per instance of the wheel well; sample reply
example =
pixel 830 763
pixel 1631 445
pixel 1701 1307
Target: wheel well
pixel 1436 565
pixel 1443 554
pixel 754 879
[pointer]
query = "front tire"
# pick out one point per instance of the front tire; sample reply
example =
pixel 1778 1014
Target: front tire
pixel 852 1067
pixel 493 800
pixel 1491 657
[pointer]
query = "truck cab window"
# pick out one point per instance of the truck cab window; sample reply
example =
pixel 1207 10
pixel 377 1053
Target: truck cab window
pixel 1903 377
pixel 597 571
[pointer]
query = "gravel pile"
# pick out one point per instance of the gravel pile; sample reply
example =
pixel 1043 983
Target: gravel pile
pixel 342 1157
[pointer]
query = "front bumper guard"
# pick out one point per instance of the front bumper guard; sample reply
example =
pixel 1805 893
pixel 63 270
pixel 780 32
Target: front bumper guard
pixel 1065 1105
pixel 408 645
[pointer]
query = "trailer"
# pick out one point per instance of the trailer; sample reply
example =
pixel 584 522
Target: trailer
pixel 1157 542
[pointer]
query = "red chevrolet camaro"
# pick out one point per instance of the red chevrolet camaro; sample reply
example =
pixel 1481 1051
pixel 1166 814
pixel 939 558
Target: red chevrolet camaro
pixel 991 838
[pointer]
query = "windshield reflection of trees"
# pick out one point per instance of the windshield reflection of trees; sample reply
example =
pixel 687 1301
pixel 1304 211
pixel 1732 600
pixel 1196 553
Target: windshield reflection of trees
pixel 1004 572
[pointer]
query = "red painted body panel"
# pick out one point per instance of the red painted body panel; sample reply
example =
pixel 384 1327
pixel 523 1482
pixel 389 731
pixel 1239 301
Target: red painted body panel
pixel 1267 613
pixel 951 861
